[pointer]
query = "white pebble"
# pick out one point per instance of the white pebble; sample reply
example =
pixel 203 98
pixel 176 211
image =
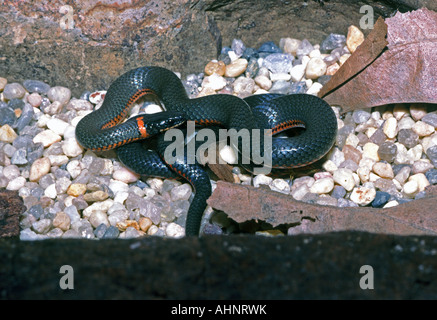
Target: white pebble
pixel 97 218
pixel 57 125
pixel 125 175
pixel 261 179
pixel 315 68
pixel 263 82
pixel 421 180
pixel 50 191
pixel 384 170
pixel 411 188
pixel 47 138
pixel 315 88
pixel 324 185
pixel 370 150
pixel 391 204
pixel 97 206
pixel 16 183
pixel 423 129
pixel 390 127
pixel 174 230
pixel 39 168
pixel 7 134
pixel 280 185
pixel 58 160
pixel 74 168
pixel 345 178
pixel 297 72
pixel 214 81
pixel 363 195
pixel 71 148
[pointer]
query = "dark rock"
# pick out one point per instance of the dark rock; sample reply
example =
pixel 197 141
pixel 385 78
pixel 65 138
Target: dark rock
pixel 11 207
pixel 217 267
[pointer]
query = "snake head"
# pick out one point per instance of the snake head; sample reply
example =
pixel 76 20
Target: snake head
pixel 163 121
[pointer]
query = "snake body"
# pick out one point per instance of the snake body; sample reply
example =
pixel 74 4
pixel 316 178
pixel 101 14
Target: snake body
pixel 103 129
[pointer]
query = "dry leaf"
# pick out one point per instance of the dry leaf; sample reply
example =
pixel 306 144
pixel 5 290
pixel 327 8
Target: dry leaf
pixel 243 203
pixel 404 70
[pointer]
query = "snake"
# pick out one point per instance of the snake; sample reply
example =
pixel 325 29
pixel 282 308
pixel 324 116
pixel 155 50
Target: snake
pixel 107 128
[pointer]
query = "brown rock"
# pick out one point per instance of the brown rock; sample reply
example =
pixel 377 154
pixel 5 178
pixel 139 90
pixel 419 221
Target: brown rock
pixel 11 207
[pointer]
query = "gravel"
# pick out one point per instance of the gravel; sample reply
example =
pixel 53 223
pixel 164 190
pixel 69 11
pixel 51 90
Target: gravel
pixel 382 157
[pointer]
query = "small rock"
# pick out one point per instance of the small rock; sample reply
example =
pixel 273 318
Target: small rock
pixel 321 186
pixel 431 152
pixel 13 91
pixel 423 129
pixel 289 45
pixel 98 195
pixel 42 226
pixel 343 58
pixel 36 86
pixel 411 188
pixel 381 198
pixel 174 230
pixel 236 68
pixel 71 148
pixel 34 99
pixel 305 47
pixel 62 221
pixel 315 68
pixel 214 82
pixel 345 178
pixel 182 192
pixel 354 38
pixel 98 217
pixel 315 88
pixel 145 223
pixel 332 69
pixel 333 41
pixel 263 82
pixel 47 138
pixel 269 47
pixel 431 119
pixel 384 170
pixel 431 175
pixel 214 66
pixel 60 94
pixel 421 180
pixel 280 185
pixel 261 179
pixel 7 134
pixel 390 127
pixel 16 183
pixel 297 72
pixel 125 175
pixel 279 62
pixel 370 150
pixel 76 189
pixel 421 166
pixel 418 110
pixel 39 168
pixel 362 195
pixel 403 174
pixel 111 233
